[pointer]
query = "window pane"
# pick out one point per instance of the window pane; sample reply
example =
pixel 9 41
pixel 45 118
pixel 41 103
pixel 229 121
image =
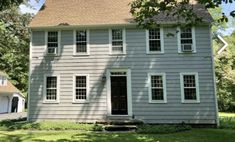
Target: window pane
pixel 154 33
pixel 156 81
pixel 117 34
pixel 81 36
pixel 155 45
pixel 157 94
pixel 51 82
pixel 81 94
pixel 117 46
pixel 80 81
pixel 186 33
pixel 51 94
pixel 190 93
pixel 52 36
pixel 189 81
pixel 81 47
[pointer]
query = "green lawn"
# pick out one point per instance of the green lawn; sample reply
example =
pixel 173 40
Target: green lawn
pixel 225 133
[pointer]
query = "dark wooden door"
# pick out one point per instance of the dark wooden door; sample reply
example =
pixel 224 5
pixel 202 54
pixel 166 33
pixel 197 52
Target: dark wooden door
pixel 119 95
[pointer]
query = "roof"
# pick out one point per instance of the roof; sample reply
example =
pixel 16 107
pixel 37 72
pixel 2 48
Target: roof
pixel 10 88
pixel 94 12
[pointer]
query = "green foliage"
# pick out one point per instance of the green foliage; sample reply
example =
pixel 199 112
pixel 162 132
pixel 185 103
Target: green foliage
pixel 5 4
pixel 162 129
pixel 227 121
pixel 48 125
pixel 145 10
pixel 14 46
pixel 225 75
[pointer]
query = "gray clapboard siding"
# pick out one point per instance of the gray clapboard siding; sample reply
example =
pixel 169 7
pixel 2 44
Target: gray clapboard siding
pixel 140 64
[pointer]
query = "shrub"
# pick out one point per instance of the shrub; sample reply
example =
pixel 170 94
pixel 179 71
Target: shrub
pixel 227 123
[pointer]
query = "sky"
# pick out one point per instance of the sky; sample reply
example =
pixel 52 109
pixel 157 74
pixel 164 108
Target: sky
pixel 227 8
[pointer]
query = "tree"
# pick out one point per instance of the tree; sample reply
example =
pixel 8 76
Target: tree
pixel 6 4
pixel 225 75
pixel 14 46
pixel 144 10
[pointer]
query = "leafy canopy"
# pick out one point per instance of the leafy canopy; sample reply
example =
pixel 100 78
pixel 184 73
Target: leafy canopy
pixel 144 10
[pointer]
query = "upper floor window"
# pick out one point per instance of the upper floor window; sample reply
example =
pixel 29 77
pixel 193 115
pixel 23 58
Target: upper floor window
pixel 154 41
pixel 157 88
pixel 81 88
pixel 81 39
pixel 117 41
pixel 189 87
pixel 186 40
pixel 3 81
pixel 52 42
pixel 51 88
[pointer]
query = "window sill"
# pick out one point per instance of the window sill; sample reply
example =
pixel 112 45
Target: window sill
pixel 51 102
pixel 80 102
pixel 81 55
pixel 117 54
pixel 193 52
pixel 190 102
pixel 158 102
pixel 153 53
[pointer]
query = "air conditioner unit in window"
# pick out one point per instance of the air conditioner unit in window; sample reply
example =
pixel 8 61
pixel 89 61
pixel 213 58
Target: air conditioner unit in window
pixel 51 50
pixel 187 47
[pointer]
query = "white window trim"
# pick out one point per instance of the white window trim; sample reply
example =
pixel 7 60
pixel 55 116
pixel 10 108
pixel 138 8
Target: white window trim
pixel 87 43
pixel 129 90
pixel 87 88
pixel 179 40
pixel 182 87
pixel 161 40
pixel 123 40
pixel 57 89
pixel 59 43
pixel 150 88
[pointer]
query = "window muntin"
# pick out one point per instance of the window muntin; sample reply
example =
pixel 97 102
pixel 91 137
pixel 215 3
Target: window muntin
pixel 157 87
pixel 52 42
pixel 190 89
pixel 117 41
pixel 154 40
pixel 81 41
pixel 81 88
pixel 51 88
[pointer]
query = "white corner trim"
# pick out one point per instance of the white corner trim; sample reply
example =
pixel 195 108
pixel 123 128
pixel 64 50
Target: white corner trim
pixel 88 44
pixel 164 88
pixel 179 40
pixel 57 89
pixel 161 40
pixel 182 87
pixel 124 44
pixel 129 91
pixel 87 88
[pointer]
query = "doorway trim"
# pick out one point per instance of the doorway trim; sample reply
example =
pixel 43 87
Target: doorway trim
pixel 129 91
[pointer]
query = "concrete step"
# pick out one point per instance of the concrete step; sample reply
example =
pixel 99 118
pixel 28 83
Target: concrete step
pixel 120 122
pixel 120 127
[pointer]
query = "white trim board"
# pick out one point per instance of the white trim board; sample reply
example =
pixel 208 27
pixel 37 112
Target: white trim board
pixel 129 90
pixel 182 87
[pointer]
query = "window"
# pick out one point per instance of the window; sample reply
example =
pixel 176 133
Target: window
pixel 157 88
pixel 189 87
pixel 81 88
pixel 154 41
pixel 52 42
pixel 51 89
pixel 117 41
pixel 186 40
pixel 3 81
pixel 81 42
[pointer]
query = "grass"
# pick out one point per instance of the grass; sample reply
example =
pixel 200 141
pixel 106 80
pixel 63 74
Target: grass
pixel 195 135
pixel 38 132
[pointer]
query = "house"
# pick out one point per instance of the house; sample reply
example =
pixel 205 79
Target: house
pixel 11 99
pixel 90 62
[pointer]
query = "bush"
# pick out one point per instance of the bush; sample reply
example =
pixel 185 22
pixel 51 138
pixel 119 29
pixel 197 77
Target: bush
pixel 227 123
pixel 48 125
pixel 162 129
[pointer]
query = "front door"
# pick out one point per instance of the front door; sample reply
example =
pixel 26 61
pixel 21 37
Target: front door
pixel 119 95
